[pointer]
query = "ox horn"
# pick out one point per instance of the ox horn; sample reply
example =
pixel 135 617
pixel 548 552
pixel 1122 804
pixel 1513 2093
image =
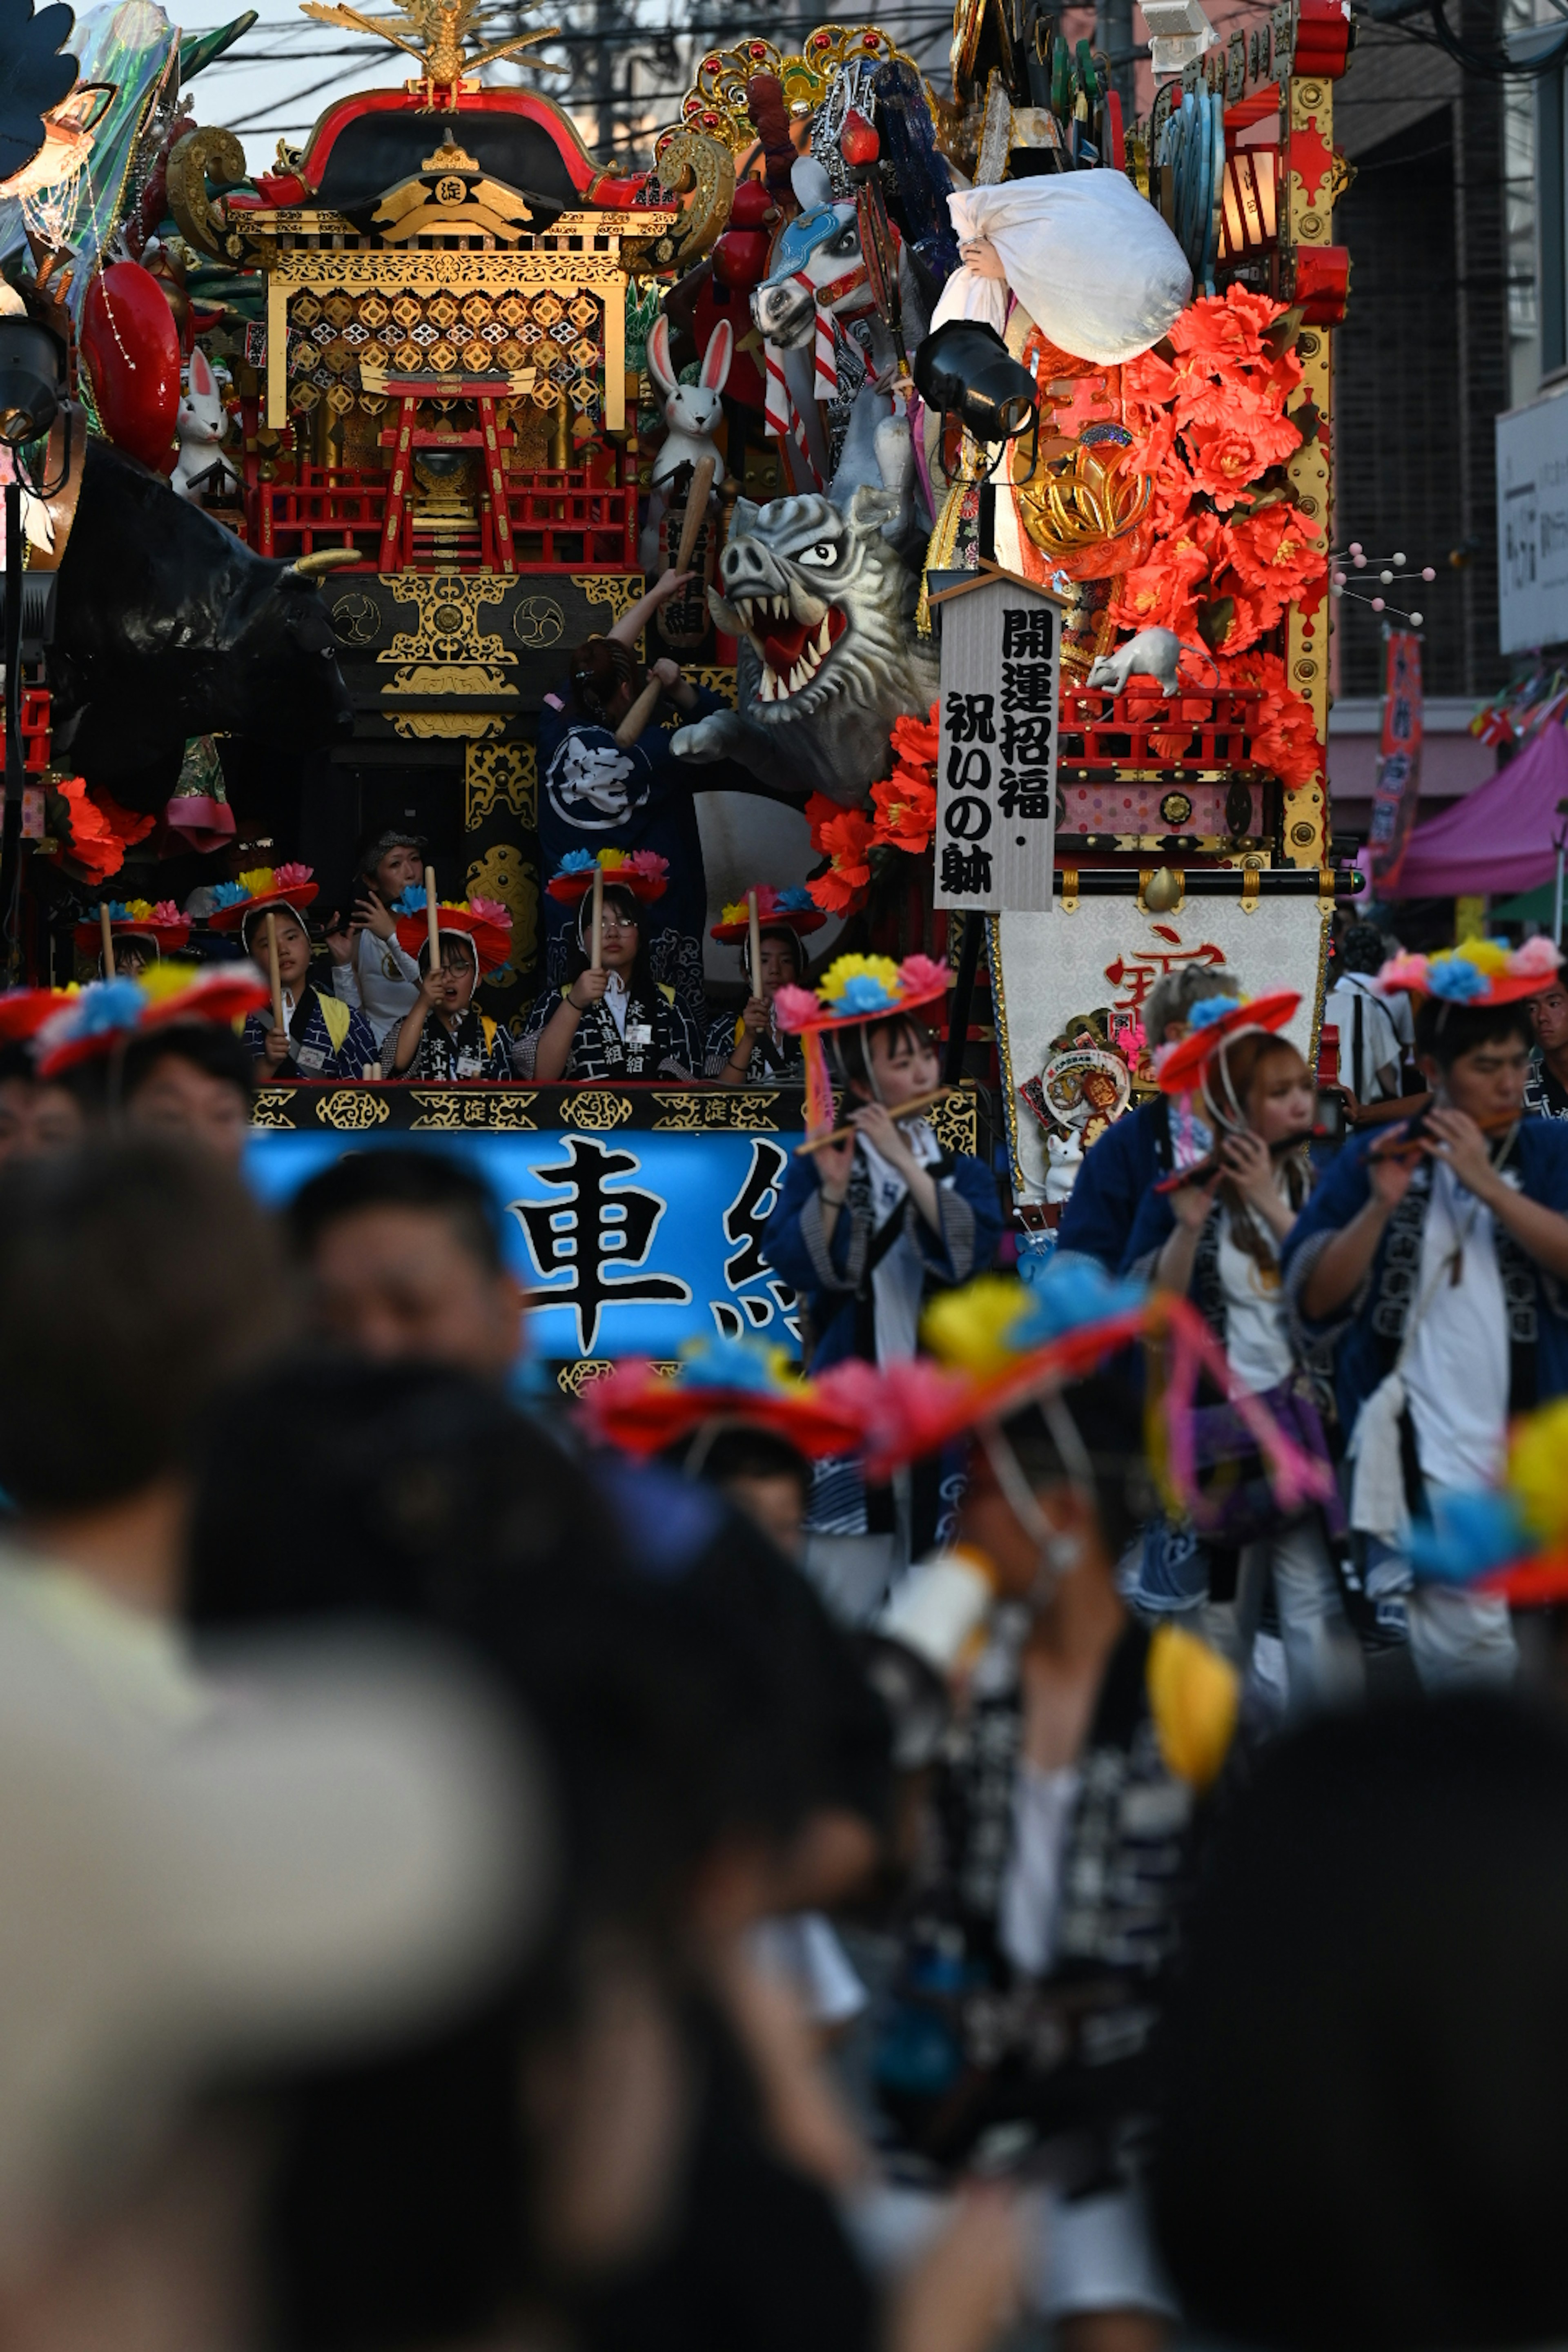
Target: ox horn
pixel 306 569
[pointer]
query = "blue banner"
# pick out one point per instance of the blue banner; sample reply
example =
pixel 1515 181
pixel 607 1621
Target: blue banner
pixel 629 1244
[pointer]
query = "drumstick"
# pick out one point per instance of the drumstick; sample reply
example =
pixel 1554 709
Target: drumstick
pixel 696 508
pixel 595 953
pixel 754 922
pixel 272 971
pixel 905 1110
pixel 637 717
pixel 107 933
pixel 432 926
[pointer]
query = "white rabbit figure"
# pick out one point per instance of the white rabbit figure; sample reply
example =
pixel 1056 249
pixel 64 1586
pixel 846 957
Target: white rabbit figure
pixel 200 428
pixel 692 411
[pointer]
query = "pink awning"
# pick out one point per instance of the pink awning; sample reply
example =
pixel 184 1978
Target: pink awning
pixel 1498 838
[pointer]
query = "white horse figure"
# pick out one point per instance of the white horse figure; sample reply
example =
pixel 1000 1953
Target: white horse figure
pixel 819 292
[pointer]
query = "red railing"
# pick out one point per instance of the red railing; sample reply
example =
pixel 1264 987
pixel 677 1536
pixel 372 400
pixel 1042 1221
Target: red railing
pixel 561 521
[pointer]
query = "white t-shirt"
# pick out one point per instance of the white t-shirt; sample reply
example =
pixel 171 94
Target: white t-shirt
pixel 1381 1037
pixel 1455 1374
pixel 383 980
pixel 1256 1339
pixel 1031 1893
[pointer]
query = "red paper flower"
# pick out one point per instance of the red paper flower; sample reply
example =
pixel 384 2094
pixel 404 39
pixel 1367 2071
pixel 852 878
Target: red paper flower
pixel 845 835
pixel 906 811
pixel 1229 456
pixel 1228 328
pixel 915 739
pixel 1283 736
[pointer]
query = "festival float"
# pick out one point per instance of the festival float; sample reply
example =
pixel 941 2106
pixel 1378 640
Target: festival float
pixel 993 428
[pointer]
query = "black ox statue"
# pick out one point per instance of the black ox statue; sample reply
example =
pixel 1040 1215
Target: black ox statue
pixel 166 627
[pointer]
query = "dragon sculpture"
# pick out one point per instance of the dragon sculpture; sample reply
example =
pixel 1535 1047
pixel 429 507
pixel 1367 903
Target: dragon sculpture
pixel 823 607
pixel 436 33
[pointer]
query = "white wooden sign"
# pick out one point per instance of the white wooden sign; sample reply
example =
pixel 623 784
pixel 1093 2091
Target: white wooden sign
pixel 997 763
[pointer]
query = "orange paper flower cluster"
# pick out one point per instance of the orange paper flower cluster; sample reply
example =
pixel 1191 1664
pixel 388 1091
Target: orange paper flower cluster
pixel 1210 423
pixel 903 811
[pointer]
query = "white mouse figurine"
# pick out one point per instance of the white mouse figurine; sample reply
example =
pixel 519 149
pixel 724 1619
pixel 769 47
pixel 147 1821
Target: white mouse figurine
pixel 200 428
pixel 1153 652
pixel 692 412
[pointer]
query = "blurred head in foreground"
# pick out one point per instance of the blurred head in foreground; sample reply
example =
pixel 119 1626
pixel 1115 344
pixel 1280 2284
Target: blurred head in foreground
pixel 349 1852
pixel 191 1083
pixel 402 1257
pixel 134 1277
pixel 1366 2142
pixel 760 1472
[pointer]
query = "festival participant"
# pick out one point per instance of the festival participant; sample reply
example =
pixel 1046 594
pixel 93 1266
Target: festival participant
pixel 372 968
pixel 613 1020
pixel 1055 1836
pixel 1216 1241
pixel 140 932
pixel 37 1115
pixel 867 1229
pixel 445 1036
pixel 401 1253
pixel 167 1257
pixel 1432 1255
pixel 191 1079
pixel 1375 1033
pixel 751 1050
pixel 597 792
pixel 1546 1087
pixel 1143 1144
pixel 321 1037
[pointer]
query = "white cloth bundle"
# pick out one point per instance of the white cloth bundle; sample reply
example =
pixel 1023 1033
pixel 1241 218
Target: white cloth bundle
pixel 1092 263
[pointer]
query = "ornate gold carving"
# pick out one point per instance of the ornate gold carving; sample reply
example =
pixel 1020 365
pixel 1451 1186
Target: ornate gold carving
pixel 956 1123
pixel 446 1109
pixel 447 726
pixel 505 874
pixel 717 680
pixel 466 680
pixel 572 1379
pixel 691 1112
pixel 618 590
pixel 690 161
pixel 352 1110
pixel 297 275
pixel 596 1108
pixel 448 629
pixel 1308 472
pixel 270 1107
pixel 441 31
pixel 190 161
pixel 716 103
pixel 506 773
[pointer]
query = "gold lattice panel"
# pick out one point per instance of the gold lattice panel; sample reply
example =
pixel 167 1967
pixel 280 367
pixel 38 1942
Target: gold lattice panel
pixel 409 330
pixel 331 313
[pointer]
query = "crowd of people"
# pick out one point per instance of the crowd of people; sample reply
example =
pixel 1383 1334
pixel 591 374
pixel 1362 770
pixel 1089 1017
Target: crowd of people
pixel 1006 1831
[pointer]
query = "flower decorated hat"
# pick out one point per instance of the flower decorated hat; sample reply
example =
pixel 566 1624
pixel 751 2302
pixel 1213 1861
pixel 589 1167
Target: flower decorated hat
pixel 642 1411
pixel 138 919
pixel 24 1011
pixel 1214 1021
pixel 109 1011
pixel 777 910
pixel 999 1344
pixel 1478 971
pixel 484 921
pixel 853 989
pixel 641 871
pixel 235 904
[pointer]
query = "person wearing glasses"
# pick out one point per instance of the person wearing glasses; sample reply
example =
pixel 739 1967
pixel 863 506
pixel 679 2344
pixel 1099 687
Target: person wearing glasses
pixel 611 1020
